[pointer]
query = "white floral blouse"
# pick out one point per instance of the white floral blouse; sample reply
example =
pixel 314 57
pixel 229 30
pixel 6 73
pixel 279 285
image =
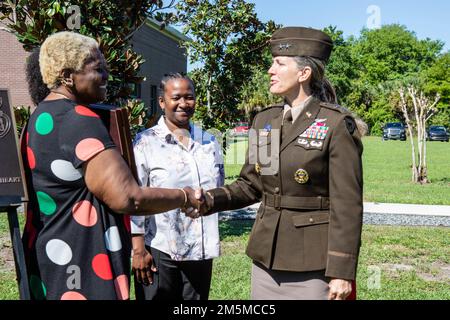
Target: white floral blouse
pixel 163 162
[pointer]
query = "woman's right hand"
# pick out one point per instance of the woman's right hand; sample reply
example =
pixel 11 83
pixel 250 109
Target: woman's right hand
pixel 142 261
pixel 198 204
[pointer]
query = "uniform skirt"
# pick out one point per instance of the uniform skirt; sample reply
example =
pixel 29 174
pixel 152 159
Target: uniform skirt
pixel 287 285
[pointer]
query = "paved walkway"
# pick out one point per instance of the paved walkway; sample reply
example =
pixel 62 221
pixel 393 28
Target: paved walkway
pixel 409 209
pixel 377 213
pixel 398 208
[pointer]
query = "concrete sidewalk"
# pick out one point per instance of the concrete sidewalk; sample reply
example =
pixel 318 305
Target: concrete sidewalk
pixel 398 208
pixel 376 214
pixel 409 209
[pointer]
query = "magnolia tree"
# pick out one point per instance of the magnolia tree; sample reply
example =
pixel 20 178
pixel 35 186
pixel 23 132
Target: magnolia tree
pixel 228 41
pixel 112 23
pixel 416 117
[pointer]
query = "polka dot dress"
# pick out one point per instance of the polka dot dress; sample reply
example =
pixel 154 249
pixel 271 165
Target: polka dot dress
pixel 76 248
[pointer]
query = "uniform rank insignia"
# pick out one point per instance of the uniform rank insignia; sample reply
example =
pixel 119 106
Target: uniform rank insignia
pixel 318 130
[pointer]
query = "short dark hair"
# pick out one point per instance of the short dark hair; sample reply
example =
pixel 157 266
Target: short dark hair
pixel 36 87
pixel 173 76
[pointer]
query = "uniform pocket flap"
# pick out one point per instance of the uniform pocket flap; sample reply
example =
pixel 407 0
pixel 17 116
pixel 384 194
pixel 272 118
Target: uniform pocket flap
pixel 310 219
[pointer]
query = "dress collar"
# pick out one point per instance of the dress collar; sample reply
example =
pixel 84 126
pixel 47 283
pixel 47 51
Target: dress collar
pixel 300 105
pixel 163 132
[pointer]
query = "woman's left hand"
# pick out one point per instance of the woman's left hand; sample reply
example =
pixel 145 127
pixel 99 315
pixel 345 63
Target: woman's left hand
pixel 340 289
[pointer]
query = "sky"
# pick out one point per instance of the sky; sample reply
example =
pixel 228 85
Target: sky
pixel 429 19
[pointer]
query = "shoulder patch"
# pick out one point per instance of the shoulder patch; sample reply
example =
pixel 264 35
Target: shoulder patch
pixel 350 124
pixel 335 107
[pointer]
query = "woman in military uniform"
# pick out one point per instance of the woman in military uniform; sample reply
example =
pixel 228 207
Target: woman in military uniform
pixel 304 165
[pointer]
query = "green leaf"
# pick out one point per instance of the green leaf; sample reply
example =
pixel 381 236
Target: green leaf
pixel 51 12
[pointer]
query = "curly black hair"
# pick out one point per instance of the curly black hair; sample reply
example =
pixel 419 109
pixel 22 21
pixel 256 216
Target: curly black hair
pixel 36 87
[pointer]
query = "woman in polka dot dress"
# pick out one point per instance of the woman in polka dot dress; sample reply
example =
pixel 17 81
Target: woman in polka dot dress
pixel 76 237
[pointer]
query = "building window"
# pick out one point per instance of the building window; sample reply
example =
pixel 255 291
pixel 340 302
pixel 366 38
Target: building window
pixel 135 90
pixel 153 98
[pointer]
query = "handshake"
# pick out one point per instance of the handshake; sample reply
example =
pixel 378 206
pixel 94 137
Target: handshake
pixel 197 202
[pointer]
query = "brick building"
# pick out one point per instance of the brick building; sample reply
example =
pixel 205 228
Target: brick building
pixel 160 48
pixel 12 69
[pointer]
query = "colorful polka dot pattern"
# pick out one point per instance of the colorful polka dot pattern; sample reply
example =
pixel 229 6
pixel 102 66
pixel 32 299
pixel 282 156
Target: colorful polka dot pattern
pixel 82 110
pixel 37 288
pixel 107 256
pixel 58 252
pixel 64 170
pixel 102 266
pixel 88 147
pixel 122 287
pixel 73 295
pixel 31 158
pixel 112 239
pixel 85 213
pixel 46 204
pixel 44 123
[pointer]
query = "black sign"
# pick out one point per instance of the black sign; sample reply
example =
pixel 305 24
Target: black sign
pixel 12 180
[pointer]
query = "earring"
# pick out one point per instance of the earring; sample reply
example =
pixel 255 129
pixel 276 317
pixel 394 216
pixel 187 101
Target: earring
pixel 67 82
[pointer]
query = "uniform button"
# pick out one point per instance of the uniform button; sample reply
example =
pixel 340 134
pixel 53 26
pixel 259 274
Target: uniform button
pixel 311 220
pixel 277 190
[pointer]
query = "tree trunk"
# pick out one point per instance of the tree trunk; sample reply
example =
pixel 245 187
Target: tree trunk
pixel 423 111
pixel 404 107
pixel 413 93
pixel 423 166
pixel 413 155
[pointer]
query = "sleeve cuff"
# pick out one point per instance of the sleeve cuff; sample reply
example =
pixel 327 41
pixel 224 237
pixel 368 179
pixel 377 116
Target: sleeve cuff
pixel 137 224
pixel 341 265
pixel 220 199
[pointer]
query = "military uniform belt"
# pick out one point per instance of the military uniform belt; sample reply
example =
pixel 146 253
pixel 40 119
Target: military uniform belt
pixel 289 202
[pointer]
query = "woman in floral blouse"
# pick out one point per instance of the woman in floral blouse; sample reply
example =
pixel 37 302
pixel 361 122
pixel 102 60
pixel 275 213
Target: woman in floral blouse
pixel 172 253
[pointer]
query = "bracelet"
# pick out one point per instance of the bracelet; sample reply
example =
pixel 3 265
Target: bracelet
pixel 185 197
pixel 210 203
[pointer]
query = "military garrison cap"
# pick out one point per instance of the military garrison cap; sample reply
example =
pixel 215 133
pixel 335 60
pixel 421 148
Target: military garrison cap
pixel 300 41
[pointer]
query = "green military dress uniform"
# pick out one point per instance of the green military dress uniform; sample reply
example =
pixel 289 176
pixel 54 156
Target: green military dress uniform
pixel 308 176
pixel 310 217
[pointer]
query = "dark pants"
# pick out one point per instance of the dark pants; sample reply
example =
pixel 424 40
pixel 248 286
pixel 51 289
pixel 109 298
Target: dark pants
pixel 176 280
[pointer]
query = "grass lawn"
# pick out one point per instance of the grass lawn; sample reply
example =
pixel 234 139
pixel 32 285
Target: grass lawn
pixel 8 284
pixel 395 263
pixel 387 173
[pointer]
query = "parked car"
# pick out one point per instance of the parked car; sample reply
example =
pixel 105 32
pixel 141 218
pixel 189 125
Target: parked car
pixel 240 129
pixel 394 131
pixel 437 133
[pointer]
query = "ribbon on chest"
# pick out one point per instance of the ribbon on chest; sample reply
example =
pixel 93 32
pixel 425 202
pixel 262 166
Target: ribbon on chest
pixel 314 135
pixel 318 130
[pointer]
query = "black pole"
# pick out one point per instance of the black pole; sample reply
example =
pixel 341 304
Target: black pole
pixel 19 256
